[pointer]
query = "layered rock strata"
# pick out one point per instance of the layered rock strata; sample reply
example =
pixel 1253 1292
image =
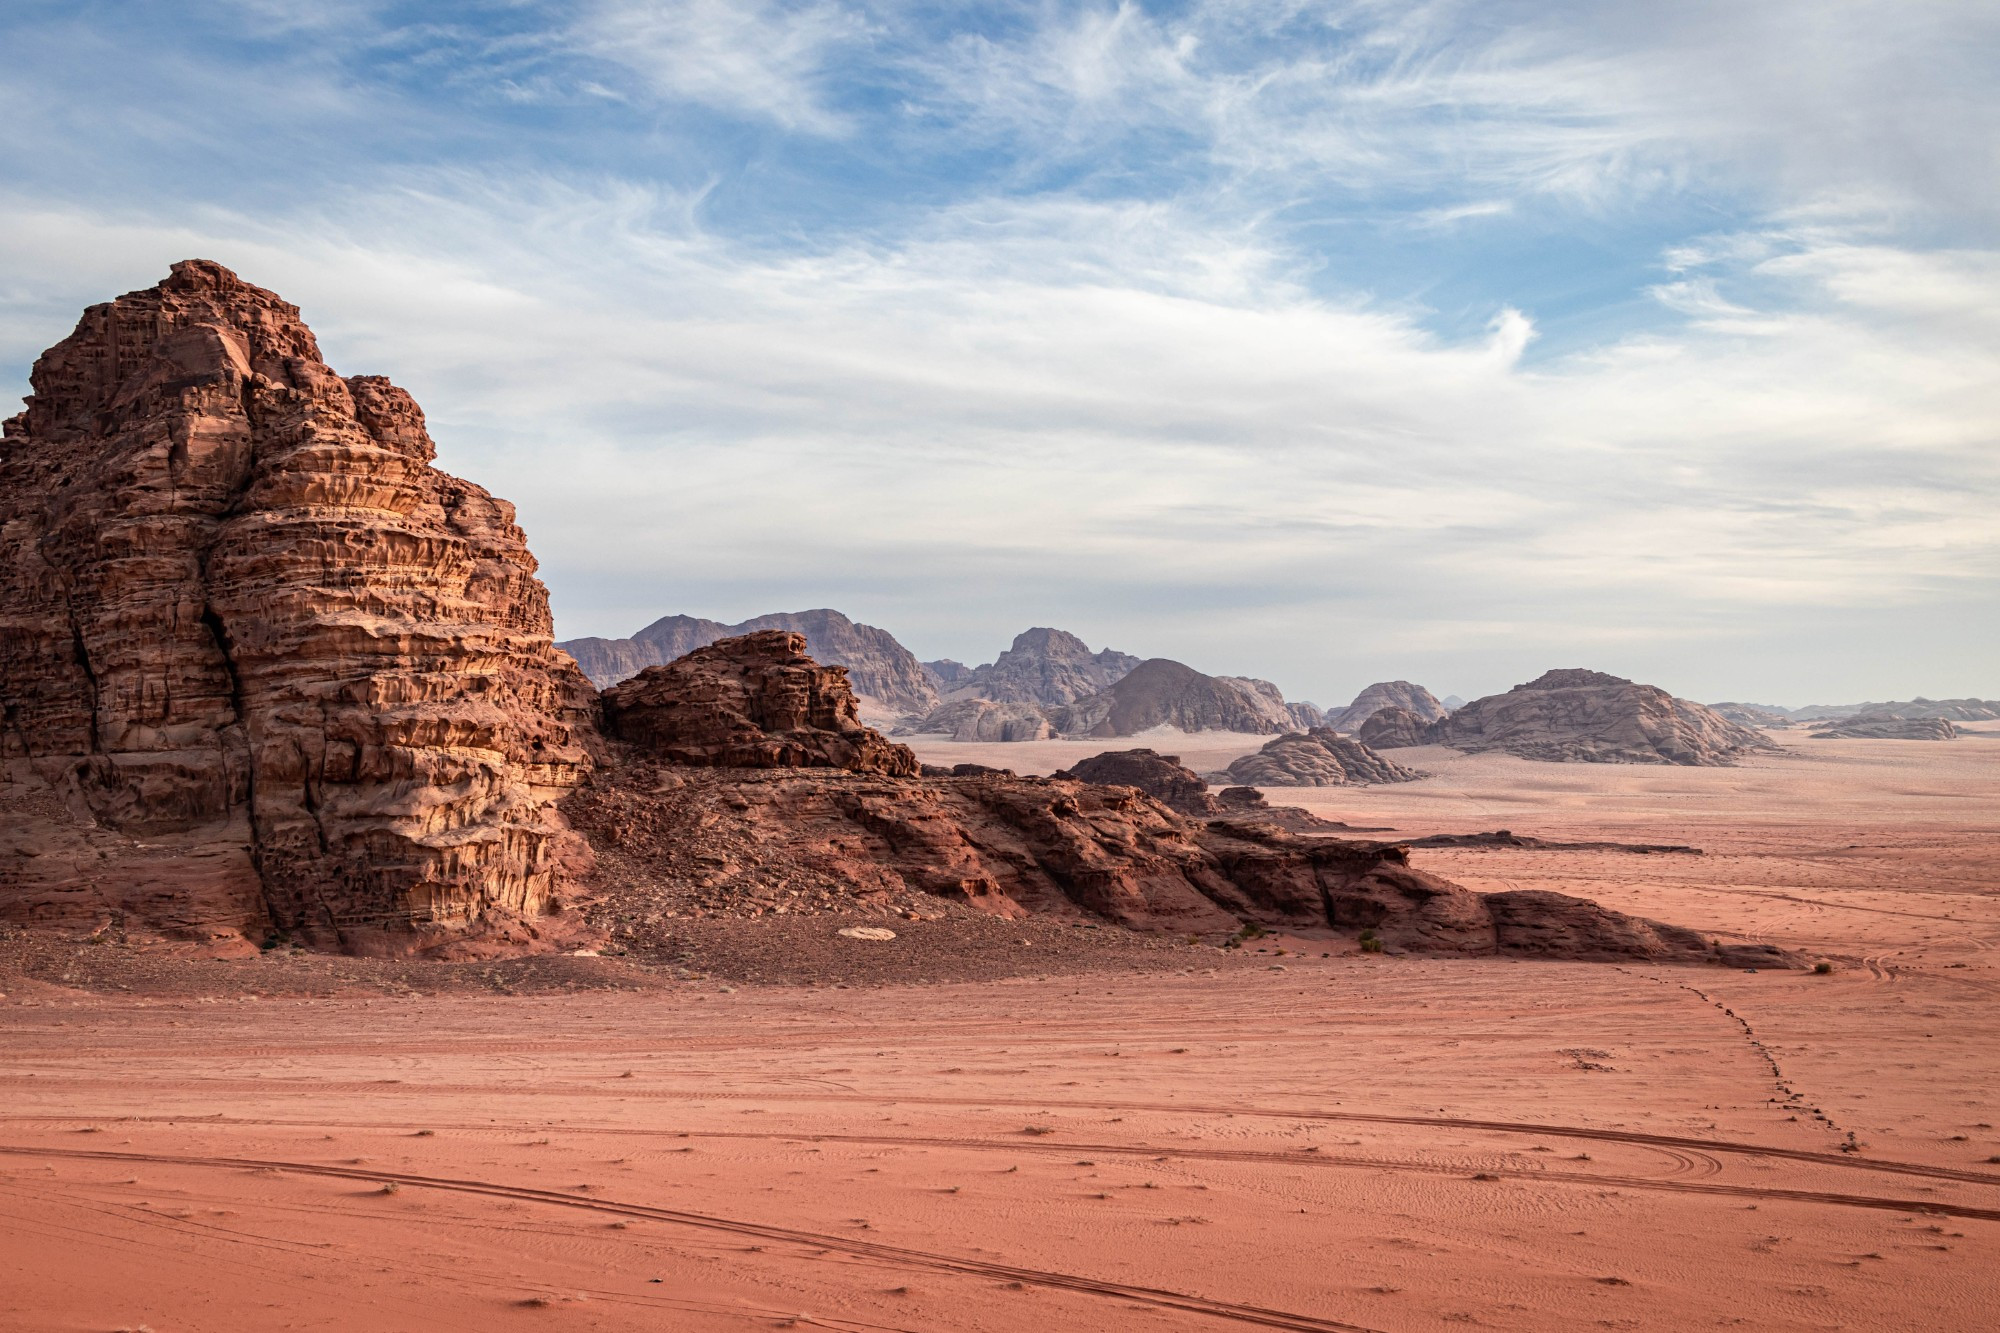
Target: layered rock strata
pixel 1321 757
pixel 1590 717
pixel 258 654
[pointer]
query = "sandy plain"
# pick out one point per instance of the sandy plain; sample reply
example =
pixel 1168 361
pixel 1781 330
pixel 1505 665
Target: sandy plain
pixel 1352 1142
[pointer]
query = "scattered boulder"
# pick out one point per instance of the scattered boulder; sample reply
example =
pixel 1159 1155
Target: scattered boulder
pixel 1398 694
pixel 1578 716
pixel 1160 776
pixel 755 701
pixel 262 663
pixel 1321 757
pixel 1884 727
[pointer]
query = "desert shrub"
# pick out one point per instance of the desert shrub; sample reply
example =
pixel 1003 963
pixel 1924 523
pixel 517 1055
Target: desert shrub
pixel 1822 968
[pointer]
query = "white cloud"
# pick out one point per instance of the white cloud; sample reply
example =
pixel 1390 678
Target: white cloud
pixel 1051 420
pixel 764 58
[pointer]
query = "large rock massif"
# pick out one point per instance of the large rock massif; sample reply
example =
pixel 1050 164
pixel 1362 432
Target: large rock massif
pixel 887 675
pixel 1587 716
pixel 676 836
pixel 261 665
pixel 1392 729
pixel 1051 684
pixel 1156 693
pixel 1885 727
pixel 1049 667
pixel 1401 694
pixel 1320 757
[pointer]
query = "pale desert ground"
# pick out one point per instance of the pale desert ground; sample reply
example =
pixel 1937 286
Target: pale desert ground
pixel 1353 1142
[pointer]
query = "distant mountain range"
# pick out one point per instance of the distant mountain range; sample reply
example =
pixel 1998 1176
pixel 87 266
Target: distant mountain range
pixel 882 670
pixel 1047 683
pixel 1773 715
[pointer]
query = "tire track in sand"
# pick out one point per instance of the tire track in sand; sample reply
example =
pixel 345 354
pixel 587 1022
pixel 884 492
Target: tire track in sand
pixel 1157 1297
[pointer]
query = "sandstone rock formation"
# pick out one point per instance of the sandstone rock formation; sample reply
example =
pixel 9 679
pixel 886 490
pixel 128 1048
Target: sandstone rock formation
pixel 1588 716
pixel 1392 729
pixel 947 674
pixel 674 837
pixel 1160 692
pixel 1160 776
pixel 1884 727
pixel 1413 699
pixel 1047 667
pixel 1752 715
pixel 1155 693
pixel 1050 683
pixel 1321 757
pixel 756 701
pixel 883 671
pixel 982 720
pixel 261 665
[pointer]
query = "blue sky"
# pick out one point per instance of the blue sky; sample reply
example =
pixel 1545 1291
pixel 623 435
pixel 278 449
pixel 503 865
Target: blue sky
pixel 1325 342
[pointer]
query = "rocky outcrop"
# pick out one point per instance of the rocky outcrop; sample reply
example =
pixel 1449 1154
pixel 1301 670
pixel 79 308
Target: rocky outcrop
pixel 1160 692
pixel 261 665
pixel 1590 717
pixel 1407 913
pixel 756 701
pixel 947 674
pixel 1884 727
pixel 1160 776
pixel 885 673
pixel 1298 716
pixel 982 720
pixel 1321 757
pixel 1393 729
pixel 1047 667
pixel 1155 693
pixel 1412 699
pixel 679 839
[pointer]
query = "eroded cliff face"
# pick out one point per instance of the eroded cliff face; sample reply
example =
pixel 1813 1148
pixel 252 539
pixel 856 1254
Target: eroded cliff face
pixel 244 620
